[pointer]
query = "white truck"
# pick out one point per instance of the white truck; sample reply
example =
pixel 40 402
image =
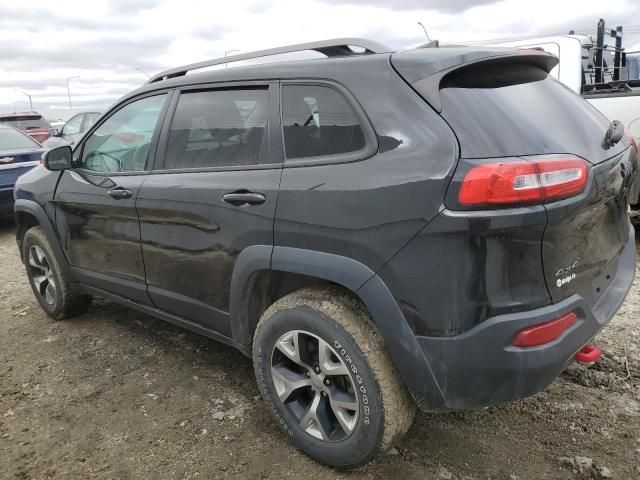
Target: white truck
pixel 599 72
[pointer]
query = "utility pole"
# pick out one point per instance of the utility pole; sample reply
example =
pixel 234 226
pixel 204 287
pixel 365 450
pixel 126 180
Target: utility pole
pixel 69 91
pixel 29 96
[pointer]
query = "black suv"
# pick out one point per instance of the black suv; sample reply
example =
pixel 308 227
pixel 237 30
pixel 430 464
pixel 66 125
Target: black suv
pixel 442 227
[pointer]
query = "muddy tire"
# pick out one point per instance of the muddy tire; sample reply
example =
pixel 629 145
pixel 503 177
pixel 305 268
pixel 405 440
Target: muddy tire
pixel 47 280
pixel 324 373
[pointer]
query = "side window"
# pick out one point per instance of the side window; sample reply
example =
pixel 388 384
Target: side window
pixel 217 128
pixel 89 120
pixel 318 121
pixel 72 126
pixel 122 142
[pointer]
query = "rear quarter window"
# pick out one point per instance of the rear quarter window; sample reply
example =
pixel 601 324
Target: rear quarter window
pixel 318 121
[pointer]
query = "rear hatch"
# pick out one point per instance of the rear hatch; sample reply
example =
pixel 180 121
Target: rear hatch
pixel 506 110
pixel 18 154
pixel 33 125
pixel 14 163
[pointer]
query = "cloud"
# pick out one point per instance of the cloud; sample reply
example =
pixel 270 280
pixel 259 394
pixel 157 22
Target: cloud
pixel 105 42
pixel 447 6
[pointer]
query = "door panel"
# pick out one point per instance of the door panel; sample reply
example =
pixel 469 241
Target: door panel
pixel 210 197
pixel 95 202
pixel 191 238
pixel 100 233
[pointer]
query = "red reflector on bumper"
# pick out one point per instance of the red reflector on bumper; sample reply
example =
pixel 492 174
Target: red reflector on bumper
pixel 544 332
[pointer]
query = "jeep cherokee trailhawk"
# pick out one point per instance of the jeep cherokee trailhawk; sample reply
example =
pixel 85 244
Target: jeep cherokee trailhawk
pixel 441 227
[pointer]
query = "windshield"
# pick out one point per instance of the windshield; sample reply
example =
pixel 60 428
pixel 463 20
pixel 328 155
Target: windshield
pixel 26 122
pixel 12 139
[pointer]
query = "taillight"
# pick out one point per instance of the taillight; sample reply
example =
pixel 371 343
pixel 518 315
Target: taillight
pixel 523 181
pixel 544 332
pixel 632 139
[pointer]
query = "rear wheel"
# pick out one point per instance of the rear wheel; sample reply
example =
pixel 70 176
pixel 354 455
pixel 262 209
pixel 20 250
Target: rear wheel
pixel 47 280
pixel 324 373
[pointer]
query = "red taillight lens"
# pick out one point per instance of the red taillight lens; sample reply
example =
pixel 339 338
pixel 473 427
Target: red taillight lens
pixel 544 332
pixel 526 181
pixel 632 139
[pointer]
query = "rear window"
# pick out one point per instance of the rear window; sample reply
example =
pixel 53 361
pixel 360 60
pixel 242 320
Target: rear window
pixel 219 128
pixel 10 139
pixel 512 110
pixel 25 122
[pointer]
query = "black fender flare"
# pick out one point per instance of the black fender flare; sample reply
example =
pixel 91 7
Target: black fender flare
pixel 33 208
pixel 401 343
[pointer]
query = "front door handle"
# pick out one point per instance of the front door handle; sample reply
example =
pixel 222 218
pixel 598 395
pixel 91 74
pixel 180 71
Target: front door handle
pixel 243 197
pixel 119 193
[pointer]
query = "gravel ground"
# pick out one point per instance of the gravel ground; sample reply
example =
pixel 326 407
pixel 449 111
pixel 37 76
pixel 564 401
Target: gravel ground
pixel 118 394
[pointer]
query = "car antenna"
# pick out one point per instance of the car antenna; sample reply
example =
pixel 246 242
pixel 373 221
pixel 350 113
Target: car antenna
pixel 430 43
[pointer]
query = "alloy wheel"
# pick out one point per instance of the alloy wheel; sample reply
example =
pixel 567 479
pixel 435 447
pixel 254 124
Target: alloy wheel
pixel 42 274
pixel 314 385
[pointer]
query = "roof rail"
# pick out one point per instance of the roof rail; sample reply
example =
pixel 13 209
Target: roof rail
pixel 334 47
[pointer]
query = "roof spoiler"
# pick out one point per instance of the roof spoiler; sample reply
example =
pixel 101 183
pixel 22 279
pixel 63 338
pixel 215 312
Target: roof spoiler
pixel 424 70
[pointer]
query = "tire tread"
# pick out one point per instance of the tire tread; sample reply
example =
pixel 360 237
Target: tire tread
pixel 351 314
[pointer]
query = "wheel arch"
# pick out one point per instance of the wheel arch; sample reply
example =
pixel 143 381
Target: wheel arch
pixel 30 214
pixel 322 268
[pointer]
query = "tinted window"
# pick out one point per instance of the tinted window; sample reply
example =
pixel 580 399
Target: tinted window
pixel 122 142
pixel 512 110
pixel 318 121
pixel 26 122
pixel 10 138
pixel 218 128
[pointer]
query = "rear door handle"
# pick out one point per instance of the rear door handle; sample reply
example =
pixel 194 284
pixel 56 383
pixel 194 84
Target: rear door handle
pixel 240 198
pixel 119 193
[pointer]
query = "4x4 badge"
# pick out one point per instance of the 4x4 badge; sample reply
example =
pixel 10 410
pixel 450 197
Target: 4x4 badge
pixel 568 269
pixel 566 274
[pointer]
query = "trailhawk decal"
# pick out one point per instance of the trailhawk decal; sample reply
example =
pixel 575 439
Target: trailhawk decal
pixel 563 281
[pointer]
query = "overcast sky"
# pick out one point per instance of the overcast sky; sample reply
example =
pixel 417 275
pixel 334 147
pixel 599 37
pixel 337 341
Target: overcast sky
pixel 107 42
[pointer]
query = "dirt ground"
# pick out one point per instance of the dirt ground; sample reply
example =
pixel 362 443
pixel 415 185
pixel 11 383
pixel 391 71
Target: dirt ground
pixel 118 394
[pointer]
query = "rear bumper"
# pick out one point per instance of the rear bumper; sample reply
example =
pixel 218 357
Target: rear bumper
pixel 481 366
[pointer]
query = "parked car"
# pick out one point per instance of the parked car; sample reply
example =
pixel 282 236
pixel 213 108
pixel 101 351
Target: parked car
pixel 73 129
pixel 19 153
pixel 442 227
pixel 32 123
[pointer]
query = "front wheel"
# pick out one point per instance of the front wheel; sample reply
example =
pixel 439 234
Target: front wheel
pixel 324 373
pixel 48 281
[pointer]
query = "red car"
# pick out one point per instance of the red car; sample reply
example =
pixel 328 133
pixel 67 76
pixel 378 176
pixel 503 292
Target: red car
pixel 32 123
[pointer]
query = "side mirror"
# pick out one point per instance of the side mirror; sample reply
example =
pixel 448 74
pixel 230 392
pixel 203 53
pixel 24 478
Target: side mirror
pixel 59 158
pixel 57 132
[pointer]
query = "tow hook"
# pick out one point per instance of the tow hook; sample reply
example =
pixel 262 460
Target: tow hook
pixel 588 354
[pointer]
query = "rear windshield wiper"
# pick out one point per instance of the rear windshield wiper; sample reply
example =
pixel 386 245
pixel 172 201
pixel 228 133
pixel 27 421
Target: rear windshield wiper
pixel 614 134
